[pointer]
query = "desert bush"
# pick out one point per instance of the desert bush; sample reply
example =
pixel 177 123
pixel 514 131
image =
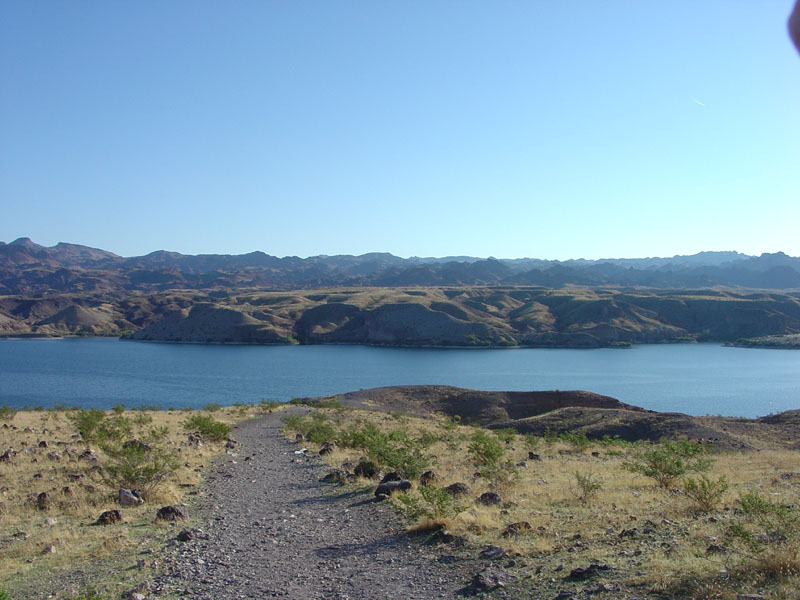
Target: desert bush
pixel 576 439
pixel 141 466
pixel 207 427
pixel 113 428
pixel 532 442
pixel 585 486
pixel 667 461
pixel 4 595
pixel 268 405
pixel 705 493
pixel 394 450
pixel 86 422
pixel 118 409
pixel 212 407
pixel 433 503
pixel 293 423
pixel 6 414
pixel 506 434
pixel 486 450
pixel 141 419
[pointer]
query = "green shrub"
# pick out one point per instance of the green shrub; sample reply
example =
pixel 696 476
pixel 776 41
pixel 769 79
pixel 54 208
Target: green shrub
pixel 577 440
pixel 212 407
pixel 150 407
pixel 141 466
pixel 433 503
pixel 704 492
pixel 532 442
pixel 118 408
pixel 506 434
pixel 207 427
pixel 268 405
pixel 764 524
pixel 667 462
pixel 4 595
pixel 586 486
pixel 486 450
pixel 86 422
pixel 6 414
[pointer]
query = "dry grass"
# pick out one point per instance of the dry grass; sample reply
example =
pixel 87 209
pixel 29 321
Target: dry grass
pixel 654 538
pixel 36 542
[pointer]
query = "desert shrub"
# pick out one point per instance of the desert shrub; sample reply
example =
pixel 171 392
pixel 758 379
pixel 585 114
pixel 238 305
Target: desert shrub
pixel 427 439
pixel 86 422
pixel 293 423
pixel 394 451
pixel 6 414
pixel 141 419
pixel 666 462
pixel 486 450
pixel 113 428
pixel 118 409
pixel 705 493
pixel 506 434
pixel 207 427
pixel 576 439
pixel 150 407
pixel 141 466
pixel 319 431
pixel 89 593
pixel 268 405
pixel 585 486
pixel 433 503
pixel 212 407
pixel 532 442
pixel 4 595
pixel 763 523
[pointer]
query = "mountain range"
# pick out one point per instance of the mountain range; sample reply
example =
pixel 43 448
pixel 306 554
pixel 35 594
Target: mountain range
pixel 30 268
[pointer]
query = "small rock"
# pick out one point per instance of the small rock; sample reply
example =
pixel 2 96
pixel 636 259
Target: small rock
pixel 493 552
pixel 565 595
pixel 392 476
pixel 517 529
pixel 49 549
pixel 457 489
pixel 534 456
pixel 129 497
pixel 337 476
pixel 50 522
pixel 185 536
pixel 44 501
pixel 443 537
pixel 171 513
pixel 43 444
pixel 230 444
pixel 109 517
pixel 428 478
pixel 489 499
pixel 586 572
pixel 522 463
pixel 20 535
pixel 385 490
pixel 491 578
pixel 326 448
pixel 596 454
pixel 367 469
pixel 137 444
pixel 717 549
pixel 299 438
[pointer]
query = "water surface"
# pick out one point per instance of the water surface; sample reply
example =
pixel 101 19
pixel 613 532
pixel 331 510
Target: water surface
pixel 692 378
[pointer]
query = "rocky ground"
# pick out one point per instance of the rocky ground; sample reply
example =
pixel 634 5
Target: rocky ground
pixel 273 531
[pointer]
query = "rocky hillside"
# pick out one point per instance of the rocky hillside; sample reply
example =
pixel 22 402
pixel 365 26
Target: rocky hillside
pixel 463 316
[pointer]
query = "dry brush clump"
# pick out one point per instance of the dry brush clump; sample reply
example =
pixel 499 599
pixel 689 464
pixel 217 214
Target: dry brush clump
pixel 660 513
pixel 60 469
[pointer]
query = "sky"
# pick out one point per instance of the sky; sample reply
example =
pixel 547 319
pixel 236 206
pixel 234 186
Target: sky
pixel 548 129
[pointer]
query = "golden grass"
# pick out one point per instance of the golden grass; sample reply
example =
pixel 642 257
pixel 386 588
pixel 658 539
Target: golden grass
pixel 666 553
pixel 35 541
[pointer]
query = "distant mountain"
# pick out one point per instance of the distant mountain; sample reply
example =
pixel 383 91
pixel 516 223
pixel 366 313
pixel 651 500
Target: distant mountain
pixel 29 268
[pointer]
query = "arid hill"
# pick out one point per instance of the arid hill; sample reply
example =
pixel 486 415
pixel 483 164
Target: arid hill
pixel 457 316
pixel 579 411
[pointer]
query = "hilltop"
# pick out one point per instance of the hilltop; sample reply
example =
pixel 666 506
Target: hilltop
pixel 30 268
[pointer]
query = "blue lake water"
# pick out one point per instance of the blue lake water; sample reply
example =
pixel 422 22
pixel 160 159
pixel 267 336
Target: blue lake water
pixel 693 378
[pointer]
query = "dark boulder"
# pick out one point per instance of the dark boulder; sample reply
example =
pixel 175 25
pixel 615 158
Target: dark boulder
pixel 457 489
pixel 489 499
pixel 109 517
pixel 385 490
pixel 171 513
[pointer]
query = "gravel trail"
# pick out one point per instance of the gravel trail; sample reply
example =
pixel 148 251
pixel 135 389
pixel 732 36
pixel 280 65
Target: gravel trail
pixel 273 531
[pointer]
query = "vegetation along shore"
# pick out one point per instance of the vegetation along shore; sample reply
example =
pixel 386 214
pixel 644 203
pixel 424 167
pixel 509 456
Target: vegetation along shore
pixel 513 494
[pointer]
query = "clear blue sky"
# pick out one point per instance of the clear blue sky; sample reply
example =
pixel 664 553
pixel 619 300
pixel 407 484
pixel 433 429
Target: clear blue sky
pixel 551 129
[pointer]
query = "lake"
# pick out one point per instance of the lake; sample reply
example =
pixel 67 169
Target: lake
pixel 99 372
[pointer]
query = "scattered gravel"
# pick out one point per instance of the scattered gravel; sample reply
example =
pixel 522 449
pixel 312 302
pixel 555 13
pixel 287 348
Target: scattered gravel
pixel 273 531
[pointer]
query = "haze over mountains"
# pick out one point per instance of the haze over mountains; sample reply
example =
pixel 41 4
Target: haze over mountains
pixel 29 268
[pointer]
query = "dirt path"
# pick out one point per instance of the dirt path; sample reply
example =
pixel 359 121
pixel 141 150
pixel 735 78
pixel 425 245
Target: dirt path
pixel 273 531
